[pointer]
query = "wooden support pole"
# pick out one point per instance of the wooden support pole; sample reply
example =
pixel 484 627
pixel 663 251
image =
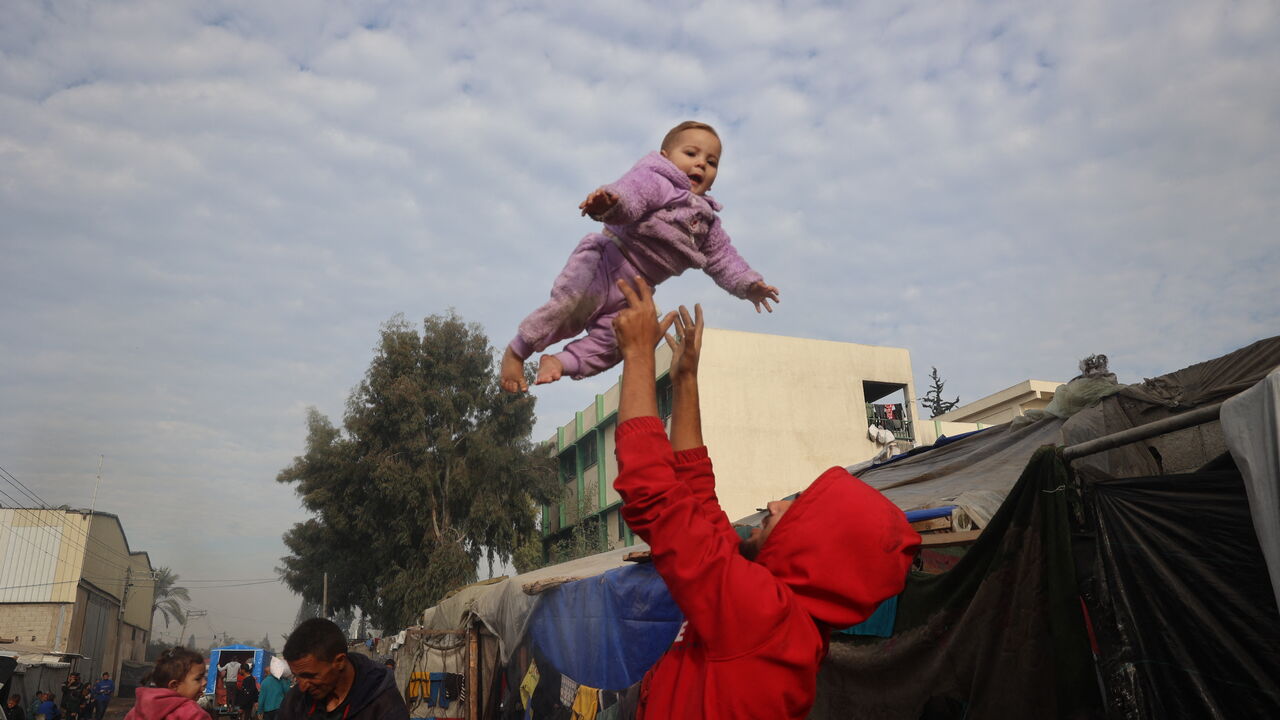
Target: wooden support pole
pixel 473 671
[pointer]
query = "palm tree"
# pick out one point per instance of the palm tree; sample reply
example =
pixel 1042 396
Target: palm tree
pixel 169 597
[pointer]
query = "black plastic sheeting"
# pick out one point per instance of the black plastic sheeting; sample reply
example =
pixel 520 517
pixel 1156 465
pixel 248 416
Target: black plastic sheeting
pixel 1180 598
pixel 1000 635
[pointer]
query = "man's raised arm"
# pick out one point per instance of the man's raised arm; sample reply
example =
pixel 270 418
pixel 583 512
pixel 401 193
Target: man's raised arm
pixel 638 332
pixel 685 341
pixel 693 464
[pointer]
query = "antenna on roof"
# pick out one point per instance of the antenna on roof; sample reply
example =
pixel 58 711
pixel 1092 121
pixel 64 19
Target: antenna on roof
pixel 93 504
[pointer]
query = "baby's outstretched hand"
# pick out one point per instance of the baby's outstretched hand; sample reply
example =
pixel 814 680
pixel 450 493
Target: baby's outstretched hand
pixel 599 202
pixel 760 294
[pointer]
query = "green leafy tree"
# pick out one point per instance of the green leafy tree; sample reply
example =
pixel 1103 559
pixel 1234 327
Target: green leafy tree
pixel 583 539
pixel 431 472
pixel 169 597
pixel 933 398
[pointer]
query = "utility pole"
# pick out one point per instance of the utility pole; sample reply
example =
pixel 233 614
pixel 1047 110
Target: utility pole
pixel 324 598
pixel 128 583
pixel 185 618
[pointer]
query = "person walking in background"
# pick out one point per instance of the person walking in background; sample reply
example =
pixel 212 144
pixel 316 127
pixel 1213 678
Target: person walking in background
pixel 271 694
pixel 85 704
pixel 103 690
pixel 47 709
pixel 13 708
pixel 246 693
pixel 72 689
pixel 230 674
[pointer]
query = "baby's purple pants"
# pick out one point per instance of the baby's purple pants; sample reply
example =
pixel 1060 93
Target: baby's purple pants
pixel 585 296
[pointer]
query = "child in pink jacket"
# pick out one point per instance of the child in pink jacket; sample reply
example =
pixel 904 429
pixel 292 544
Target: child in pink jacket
pixel 177 681
pixel 658 222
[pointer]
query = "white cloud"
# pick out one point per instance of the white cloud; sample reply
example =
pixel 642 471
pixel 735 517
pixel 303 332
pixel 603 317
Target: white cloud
pixel 209 209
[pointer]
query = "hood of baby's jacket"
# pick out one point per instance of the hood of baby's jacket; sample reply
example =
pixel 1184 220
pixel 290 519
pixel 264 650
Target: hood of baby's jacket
pixel 159 703
pixel 842 548
pixel 657 162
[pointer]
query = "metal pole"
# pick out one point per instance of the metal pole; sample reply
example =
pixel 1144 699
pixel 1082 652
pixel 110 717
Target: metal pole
pixel 1191 418
pixel 324 598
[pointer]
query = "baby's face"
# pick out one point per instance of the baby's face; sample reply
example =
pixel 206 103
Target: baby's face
pixel 697 153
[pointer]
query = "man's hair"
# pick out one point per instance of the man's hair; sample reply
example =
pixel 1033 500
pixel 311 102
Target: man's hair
pixel 174 664
pixel 106 674
pixel 317 637
pixel 670 138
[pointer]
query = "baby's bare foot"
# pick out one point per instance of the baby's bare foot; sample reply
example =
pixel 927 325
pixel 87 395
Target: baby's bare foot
pixel 513 373
pixel 549 369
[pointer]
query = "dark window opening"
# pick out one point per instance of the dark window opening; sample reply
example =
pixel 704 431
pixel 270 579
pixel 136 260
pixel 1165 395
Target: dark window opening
pixel 589 448
pixel 887 408
pixel 664 399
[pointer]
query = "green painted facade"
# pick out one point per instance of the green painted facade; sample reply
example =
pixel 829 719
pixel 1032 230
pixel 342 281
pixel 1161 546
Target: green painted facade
pixel 575 457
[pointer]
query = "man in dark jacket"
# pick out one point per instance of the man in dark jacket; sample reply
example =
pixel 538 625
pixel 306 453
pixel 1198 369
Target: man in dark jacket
pixel 333 685
pixel 72 690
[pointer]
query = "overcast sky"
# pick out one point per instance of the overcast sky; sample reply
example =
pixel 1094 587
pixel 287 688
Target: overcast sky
pixel 208 208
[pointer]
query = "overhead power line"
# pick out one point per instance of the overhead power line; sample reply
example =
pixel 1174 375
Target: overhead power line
pixel 21 487
pixel 204 587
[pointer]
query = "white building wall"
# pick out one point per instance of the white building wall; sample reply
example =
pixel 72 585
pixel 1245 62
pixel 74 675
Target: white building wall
pixel 39 560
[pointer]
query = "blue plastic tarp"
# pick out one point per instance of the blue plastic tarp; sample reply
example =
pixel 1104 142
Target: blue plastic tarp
pixel 260 659
pixel 929 513
pixel 606 631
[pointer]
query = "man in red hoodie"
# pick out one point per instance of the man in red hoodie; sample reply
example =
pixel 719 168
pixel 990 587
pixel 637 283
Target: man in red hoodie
pixel 756 627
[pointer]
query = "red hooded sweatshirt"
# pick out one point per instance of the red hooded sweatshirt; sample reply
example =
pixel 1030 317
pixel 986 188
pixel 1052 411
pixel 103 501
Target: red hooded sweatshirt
pixel 755 631
pixel 162 704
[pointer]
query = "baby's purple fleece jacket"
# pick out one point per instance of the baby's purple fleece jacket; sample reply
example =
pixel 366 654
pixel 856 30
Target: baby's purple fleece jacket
pixel 667 229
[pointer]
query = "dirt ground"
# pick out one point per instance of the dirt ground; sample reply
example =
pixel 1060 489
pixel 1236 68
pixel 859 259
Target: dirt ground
pixel 119 707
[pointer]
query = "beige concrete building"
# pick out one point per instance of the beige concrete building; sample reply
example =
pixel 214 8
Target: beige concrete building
pixel 1003 406
pixel 776 412
pixel 69 583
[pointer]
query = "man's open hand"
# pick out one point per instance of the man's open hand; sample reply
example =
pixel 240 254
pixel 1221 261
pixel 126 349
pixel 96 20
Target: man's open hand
pixel 599 202
pixel 685 341
pixel 637 327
